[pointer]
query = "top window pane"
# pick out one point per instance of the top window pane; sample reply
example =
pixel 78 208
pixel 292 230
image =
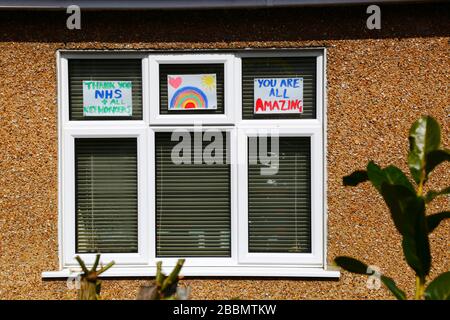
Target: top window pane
pixel 289 77
pixel 105 89
pixel 189 89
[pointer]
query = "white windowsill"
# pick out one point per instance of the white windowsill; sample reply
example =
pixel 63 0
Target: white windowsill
pixel 241 271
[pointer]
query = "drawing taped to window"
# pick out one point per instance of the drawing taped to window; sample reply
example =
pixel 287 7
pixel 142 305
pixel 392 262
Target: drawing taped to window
pixel 192 92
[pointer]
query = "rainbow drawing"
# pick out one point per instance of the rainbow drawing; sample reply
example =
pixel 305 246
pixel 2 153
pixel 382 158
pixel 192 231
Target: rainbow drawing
pixel 188 98
pixel 190 92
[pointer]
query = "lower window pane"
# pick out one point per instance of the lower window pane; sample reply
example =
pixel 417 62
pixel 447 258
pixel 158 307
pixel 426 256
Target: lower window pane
pixel 106 195
pixel 279 200
pixel 192 199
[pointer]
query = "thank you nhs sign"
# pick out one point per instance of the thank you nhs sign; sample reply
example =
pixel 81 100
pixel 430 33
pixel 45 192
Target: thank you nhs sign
pixel 278 95
pixel 107 98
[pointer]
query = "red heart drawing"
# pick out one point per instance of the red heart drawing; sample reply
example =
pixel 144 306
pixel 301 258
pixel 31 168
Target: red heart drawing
pixel 175 82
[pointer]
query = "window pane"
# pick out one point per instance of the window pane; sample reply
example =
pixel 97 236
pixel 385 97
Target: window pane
pixel 285 67
pixel 279 205
pixel 106 195
pixel 192 202
pixel 104 70
pixel 176 71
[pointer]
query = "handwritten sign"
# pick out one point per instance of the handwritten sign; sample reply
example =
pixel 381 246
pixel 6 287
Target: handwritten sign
pixel 192 92
pixel 107 98
pixel 278 95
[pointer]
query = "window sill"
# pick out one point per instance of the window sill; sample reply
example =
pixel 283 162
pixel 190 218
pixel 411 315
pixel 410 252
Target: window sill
pixel 241 271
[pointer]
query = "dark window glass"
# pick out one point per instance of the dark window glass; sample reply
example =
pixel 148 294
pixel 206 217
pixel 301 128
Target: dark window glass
pixel 279 204
pixel 192 203
pixel 285 67
pixel 106 195
pixel 104 70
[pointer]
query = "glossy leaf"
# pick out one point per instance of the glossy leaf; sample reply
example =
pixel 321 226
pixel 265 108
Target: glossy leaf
pixel 351 265
pixel 435 219
pixel 424 137
pixel 417 254
pixel 433 194
pixel 390 175
pixel 435 158
pixel 408 212
pixel 396 176
pixel 416 246
pixel 396 291
pixel 439 288
pixel 403 205
pixel 355 178
pixel 376 175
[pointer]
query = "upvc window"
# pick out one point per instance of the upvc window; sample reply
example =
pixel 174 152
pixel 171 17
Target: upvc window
pixel 172 67
pixel 193 200
pixel 256 210
pixel 106 199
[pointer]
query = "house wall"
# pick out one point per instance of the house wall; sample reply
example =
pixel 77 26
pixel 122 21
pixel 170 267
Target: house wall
pixel 379 82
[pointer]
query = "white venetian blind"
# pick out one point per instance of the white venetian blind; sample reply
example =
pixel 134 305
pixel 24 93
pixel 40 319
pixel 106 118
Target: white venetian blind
pixel 192 203
pixel 106 195
pixel 279 205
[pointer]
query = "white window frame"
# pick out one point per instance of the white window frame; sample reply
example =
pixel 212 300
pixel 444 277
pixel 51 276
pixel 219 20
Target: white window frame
pixel 71 129
pixel 198 261
pixel 241 262
pixel 68 195
pixel 313 128
pixel 320 119
pixel 313 259
pixel 156 118
pixel 63 89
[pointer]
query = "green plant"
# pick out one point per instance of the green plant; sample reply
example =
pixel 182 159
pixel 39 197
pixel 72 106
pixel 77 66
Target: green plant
pixel 163 287
pixel 90 284
pixel 407 205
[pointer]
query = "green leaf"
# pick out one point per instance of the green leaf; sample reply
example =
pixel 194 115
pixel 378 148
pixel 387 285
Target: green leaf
pixel 396 176
pixel 351 265
pixel 402 203
pixel 355 178
pixel 390 175
pixel 416 245
pixel 424 137
pixel 435 219
pixel 417 253
pixel 435 158
pixel 439 288
pixel 408 212
pixel 433 194
pixel 396 291
pixel 376 175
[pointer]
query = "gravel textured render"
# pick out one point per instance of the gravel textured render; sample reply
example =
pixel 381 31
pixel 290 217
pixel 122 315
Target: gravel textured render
pixel 379 82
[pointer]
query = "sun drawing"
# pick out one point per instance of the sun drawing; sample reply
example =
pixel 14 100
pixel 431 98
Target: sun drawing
pixel 209 81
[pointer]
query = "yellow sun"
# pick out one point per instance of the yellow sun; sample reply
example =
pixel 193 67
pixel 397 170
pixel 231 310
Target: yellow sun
pixel 209 81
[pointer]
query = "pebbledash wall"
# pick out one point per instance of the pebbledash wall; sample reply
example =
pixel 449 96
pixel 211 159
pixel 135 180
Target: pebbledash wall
pixel 378 83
